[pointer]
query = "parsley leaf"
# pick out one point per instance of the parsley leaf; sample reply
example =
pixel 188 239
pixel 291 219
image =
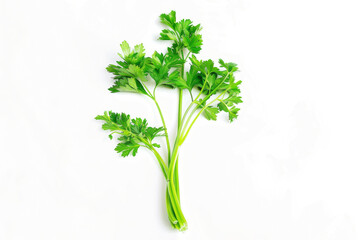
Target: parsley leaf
pixel 167 34
pixel 210 113
pixel 168 19
pixel 183 33
pixel 230 67
pixel 125 148
pixel 193 78
pixel 193 43
pixel 127 85
pixel 161 70
pixel 133 133
pixel 130 74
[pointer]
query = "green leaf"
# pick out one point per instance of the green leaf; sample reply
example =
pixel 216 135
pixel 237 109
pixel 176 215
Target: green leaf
pixel 193 43
pixel 160 75
pixel 128 85
pixel 161 69
pixel 153 132
pixel 210 113
pixel 182 33
pixel 125 48
pixel 129 74
pixel 183 26
pixel 230 67
pixel 228 105
pixel 167 34
pixel 231 100
pixel 104 117
pixel 206 67
pixel 126 148
pixel 168 19
pixel 132 83
pixel 135 56
pixel 233 114
pixel 195 61
pixel 211 79
pixel 172 59
pixel 133 133
pixel 175 80
pixel 139 49
pixel 137 72
pixel 193 78
pixel 156 145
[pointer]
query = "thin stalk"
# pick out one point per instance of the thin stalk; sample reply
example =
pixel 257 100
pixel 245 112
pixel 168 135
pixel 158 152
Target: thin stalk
pixel 176 178
pixel 160 160
pixel 182 138
pixel 180 95
pixel 176 207
pixel 180 107
pixel 170 210
pixel 174 212
pixel 187 55
pixel 171 187
pixel 214 91
pixel 202 89
pixel 189 118
pixel 148 91
pixel 193 102
pixel 165 128
pixel 173 183
pixel 176 175
pixel 185 114
pixel 152 96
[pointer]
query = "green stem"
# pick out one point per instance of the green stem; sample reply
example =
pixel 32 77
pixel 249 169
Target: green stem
pixel 180 97
pixel 148 91
pixel 170 210
pixel 163 166
pixel 202 89
pixel 165 128
pixel 183 137
pixel 215 89
pixel 195 102
pixel 172 202
pixel 180 107
pixel 187 55
pixel 189 118
pixel 152 96
pixel 174 197
pixel 192 103
pixel 176 178
pixel 172 194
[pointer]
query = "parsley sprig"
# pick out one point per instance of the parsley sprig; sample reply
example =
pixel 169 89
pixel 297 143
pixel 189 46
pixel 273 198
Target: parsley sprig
pixel 211 88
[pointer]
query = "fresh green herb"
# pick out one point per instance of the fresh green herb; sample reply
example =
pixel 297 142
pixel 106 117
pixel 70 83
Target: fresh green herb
pixel 211 89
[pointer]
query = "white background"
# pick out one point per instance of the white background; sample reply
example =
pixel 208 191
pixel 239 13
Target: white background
pixel 288 168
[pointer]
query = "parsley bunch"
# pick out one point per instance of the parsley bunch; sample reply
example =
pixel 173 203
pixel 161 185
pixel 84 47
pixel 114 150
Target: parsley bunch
pixel 211 88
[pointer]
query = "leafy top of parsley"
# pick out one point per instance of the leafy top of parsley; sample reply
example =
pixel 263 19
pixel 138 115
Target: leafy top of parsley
pixel 204 80
pixel 183 33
